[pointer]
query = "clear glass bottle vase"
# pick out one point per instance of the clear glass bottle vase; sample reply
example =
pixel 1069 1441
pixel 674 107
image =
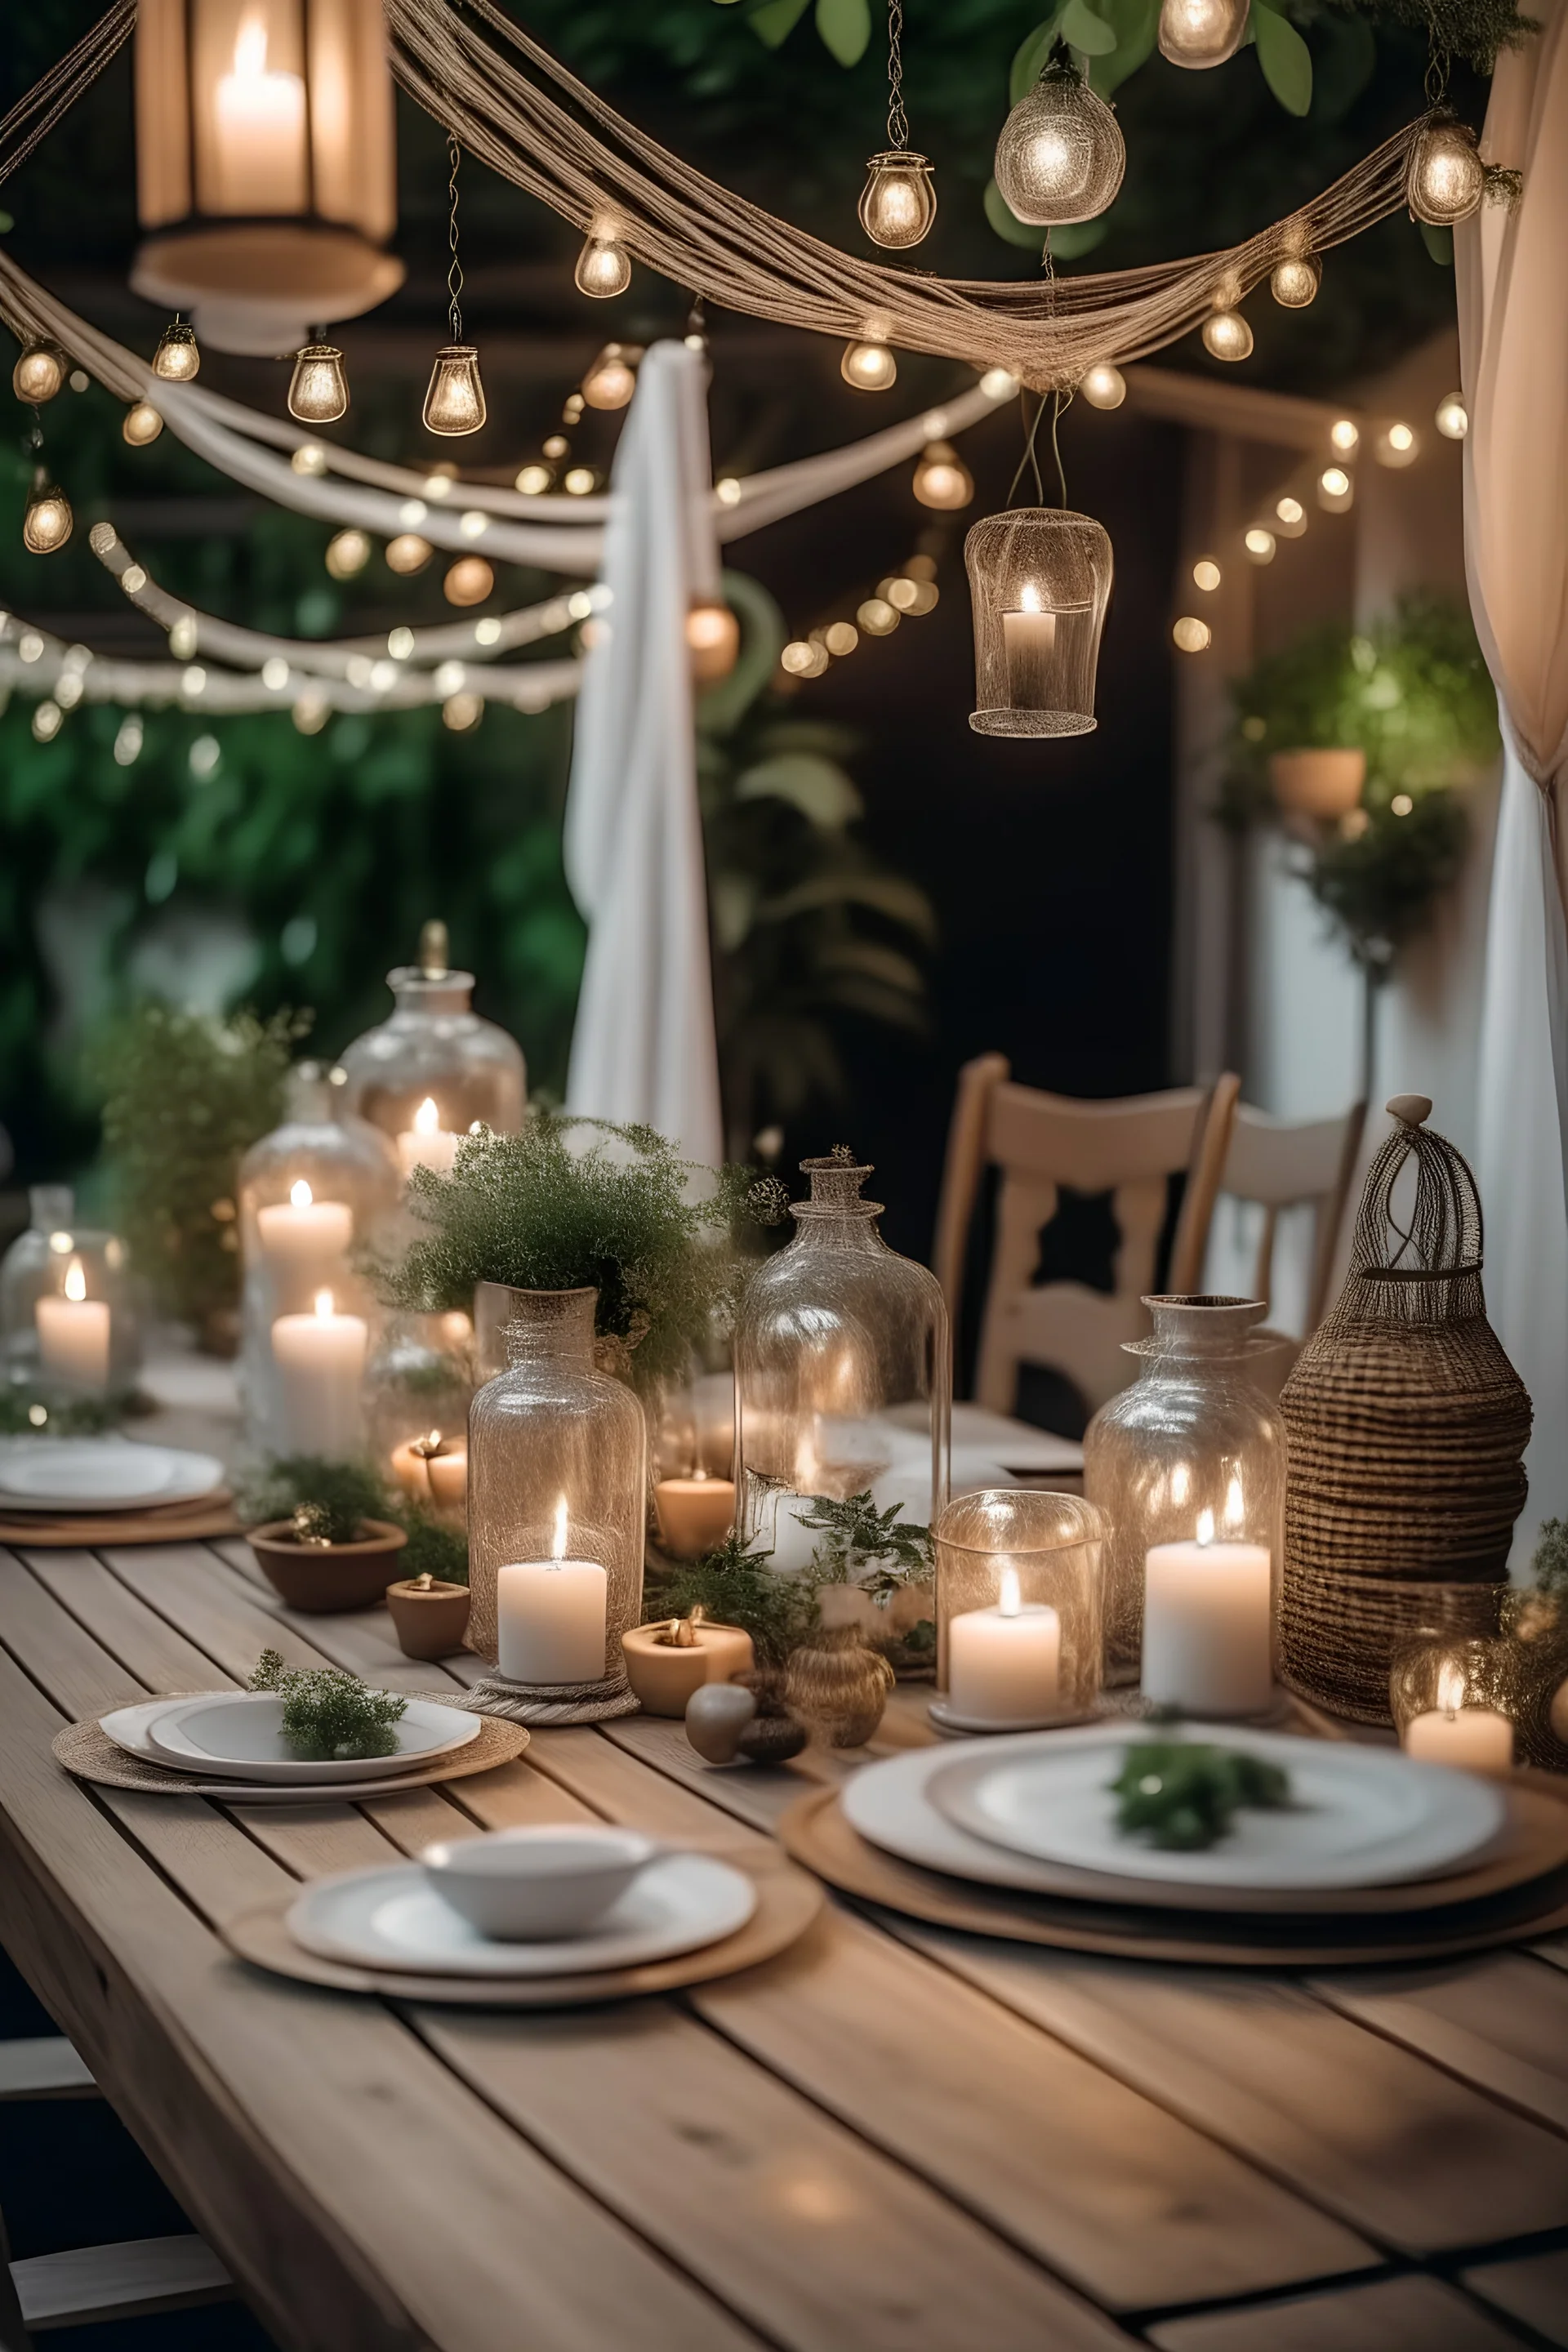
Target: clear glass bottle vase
pixel 1194 1449
pixel 434 1068
pixel 557 1502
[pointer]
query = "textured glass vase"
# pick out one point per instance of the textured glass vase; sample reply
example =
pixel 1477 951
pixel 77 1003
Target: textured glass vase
pixel 557 1502
pixel 843 1373
pixel 1021 1574
pixel 57 1258
pixel 434 1068
pixel 1193 1443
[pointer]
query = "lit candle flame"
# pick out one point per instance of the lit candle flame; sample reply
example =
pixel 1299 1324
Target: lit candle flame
pixel 250 46
pixel 1010 1603
pixel 1235 1507
pixel 558 1541
pixel 323 1304
pixel 1451 1688
pixel 1181 1484
pixel 1205 1526
pixel 427 1118
pixel 301 1195
pixel 1030 598
pixel 76 1281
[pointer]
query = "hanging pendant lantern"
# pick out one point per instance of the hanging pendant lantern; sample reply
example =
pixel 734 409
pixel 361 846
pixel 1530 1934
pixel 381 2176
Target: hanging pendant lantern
pixel 1200 33
pixel 1447 179
pixel 603 269
pixel 455 401
pixel 1039 578
pixel 898 204
pixel 319 389
pixel 1060 156
pixel 265 165
pixel 178 358
pixel 39 373
pixel 47 520
pixel 942 481
pixel 1294 280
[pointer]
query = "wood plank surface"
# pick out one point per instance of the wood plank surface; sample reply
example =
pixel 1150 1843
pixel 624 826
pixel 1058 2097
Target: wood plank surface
pixel 1398 2314
pixel 1532 2288
pixel 1500 2021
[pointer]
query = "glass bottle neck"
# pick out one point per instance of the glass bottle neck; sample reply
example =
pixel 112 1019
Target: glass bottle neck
pixel 1205 1329
pixel 418 991
pixel 835 1213
pixel 554 1327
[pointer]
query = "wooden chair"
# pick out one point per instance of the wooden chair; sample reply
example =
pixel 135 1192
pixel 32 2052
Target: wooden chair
pixel 1129 1148
pixel 1275 1164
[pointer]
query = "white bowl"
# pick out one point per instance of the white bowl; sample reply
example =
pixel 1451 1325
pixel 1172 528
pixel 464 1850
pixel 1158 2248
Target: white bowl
pixel 528 1885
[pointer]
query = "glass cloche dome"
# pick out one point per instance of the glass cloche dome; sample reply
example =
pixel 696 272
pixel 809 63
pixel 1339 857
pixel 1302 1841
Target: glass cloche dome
pixel 434 1069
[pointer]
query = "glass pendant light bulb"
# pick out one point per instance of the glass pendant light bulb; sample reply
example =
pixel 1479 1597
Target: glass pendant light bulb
pixel 1453 418
pixel 39 373
pixel 1199 33
pixel 407 553
pixel 177 359
pixel 712 639
pixel 898 204
pixel 1104 386
pixel 468 581
pixel 141 424
pixel 46 524
pixel 1295 280
pixel 319 389
pixel 1447 178
pixel 611 381
pixel 868 366
pixel 942 481
pixel 603 269
pixel 347 552
pixel 1060 156
pixel 1226 335
pixel 455 402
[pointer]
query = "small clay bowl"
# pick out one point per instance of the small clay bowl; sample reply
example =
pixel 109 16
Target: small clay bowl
pixel 429 1619
pixel 322 1578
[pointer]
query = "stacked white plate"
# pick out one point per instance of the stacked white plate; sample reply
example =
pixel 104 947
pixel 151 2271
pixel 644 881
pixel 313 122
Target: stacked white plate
pixel 236 1736
pixel 1038 1812
pixel 101 1473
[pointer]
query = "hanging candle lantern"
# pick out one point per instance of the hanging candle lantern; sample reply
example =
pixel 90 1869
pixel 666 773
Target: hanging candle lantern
pixel 942 481
pixel 1447 178
pixel 898 204
pixel 603 267
pixel 319 389
pixel 178 358
pixel 1039 578
pixel 265 165
pixel 39 374
pixel 712 639
pixel 1295 280
pixel 455 400
pixel 1199 33
pixel 612 380
pixel 142 424
pixel 1060 156
pixel 46 524
pixel 1104 386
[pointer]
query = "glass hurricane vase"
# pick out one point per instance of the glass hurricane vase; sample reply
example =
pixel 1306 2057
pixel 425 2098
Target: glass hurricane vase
pixel 51 1270
pixel 1018 1609
pixel 434 1069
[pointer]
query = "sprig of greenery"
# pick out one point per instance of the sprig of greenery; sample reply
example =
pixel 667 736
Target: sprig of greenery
pixel 857 1536
pixel 433 1548
pixel 734 1584
pixel 1548 1565
pixel 1185 1795
pixel 62 1417
pixel 333 1498
pixel 327 1714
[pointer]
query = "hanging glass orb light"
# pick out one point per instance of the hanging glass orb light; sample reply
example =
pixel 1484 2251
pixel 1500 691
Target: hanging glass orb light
pixel 1453 418
pixel 1295 280
pixel 604 269
pixel 1039 579
pixel 39 373
pixel 1104 386
pixel 869 366
pixel 898 204
pixel 408 553
pixel 319 388
pixel 1227 334
pixel 141 424
pixel 612 380
pixel 1447 178
pixel 468 581
pixel 712 639
pixel 454 399
pixel 347 552
pixel 178 358
pixel 46 524
pixel 1199 33
pixel 1060 156
pixel 942 481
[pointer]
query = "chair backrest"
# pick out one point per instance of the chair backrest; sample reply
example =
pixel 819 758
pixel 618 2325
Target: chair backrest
pixel 1275 1165
pixel 1128 1147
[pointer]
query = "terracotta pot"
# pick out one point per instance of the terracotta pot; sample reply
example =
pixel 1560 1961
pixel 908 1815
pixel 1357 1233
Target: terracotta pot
pixel 1318 783
pixel 325 1577
pixel 429 1619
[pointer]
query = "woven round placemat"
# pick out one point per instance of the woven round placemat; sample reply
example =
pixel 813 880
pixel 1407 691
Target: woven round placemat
pixel 550 1705
pixel 87 1751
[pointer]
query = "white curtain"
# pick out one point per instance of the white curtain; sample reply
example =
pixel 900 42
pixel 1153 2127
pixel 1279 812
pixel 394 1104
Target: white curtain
pixel 1513 340
pixel 643 1046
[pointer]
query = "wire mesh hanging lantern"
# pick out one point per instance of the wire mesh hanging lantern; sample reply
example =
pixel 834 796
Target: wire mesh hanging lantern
pixel 1039 579
pixel 265 165
pixel 1060 156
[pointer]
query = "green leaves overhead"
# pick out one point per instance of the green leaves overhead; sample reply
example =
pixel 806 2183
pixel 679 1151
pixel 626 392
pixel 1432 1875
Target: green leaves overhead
pixel 775 20
pixel 1285 61
pixel 1006 224
pixel 845 28
pixel 1083 29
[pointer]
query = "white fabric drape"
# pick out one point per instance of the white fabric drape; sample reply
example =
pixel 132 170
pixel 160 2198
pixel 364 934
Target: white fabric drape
pixel 1513 342
pixel 643 1046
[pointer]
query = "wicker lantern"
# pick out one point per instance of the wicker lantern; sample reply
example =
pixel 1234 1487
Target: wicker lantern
pixel 266 168
pixel 1040 580
pixel 1447 178
pixel 1060 156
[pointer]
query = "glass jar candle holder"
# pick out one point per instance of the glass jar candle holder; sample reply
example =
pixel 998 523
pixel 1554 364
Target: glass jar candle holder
pixel 1039 580
pixel 69 1324
pixel 1449 1701
pixel 1018 1609
pixel 418 1383
pixel 434 1069
pixel 1190 1459
pixel 557 1507
pixel 843 1373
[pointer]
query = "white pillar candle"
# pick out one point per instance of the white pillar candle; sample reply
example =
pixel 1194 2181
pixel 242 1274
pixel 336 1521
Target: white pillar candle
pixel 1208 1625
pixel 319 1359
pixel 429 1144
pixel 73 1332
pixel 551 1615
pixel 792 1545
pixel 1029 639
pixel 302 1234
pixel 1469 1739
pixel 1004 1664
pixel 258 151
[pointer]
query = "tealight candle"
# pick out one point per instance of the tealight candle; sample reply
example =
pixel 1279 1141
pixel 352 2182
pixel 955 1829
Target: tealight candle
pixel 552 1615
pixel 1004 1664
pixel 320 1359
pixel 695 1513
pixel 448 1474
pixel 1469 1739
pixel 665 1664
pixel 411 1464
pixel 73 1332
pixel 1029 640
pixel 302 1233
pixel 429 1144
pixel 1208 1625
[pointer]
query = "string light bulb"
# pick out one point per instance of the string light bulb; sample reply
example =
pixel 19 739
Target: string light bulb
pixel 1397 446
pixel 942 481
pixel 1295 280
pixel 1447 179
pixel 1191 635
pixel 802 658
pixel 1226 335
pixel 604 269
pixel 1201 33
pixel 407 553
pixel 468 581
pixel 532 480
pixel 1452 418
pixel 1258 543
pixel 38 374
pixel 898 204
pixel 712 639
pixel 869 366
pixel 1060 156
pixel 1344 435
pixel 1104 386
pixel 454 399
pixel 1336 490
pixel 318 387
pixel 178 358
pixel 1289 515
pixel 1206 575
pixel 612 380
pixel 47 521
pixel 461 712
pixel 141 424
pixel 347 552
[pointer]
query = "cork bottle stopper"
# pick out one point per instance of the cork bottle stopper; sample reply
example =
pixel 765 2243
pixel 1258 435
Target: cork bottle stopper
pixel 433 952
pixel 1414 1109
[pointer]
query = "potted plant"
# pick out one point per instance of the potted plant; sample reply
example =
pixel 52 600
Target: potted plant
pixel 429 1602
pixel 315 1529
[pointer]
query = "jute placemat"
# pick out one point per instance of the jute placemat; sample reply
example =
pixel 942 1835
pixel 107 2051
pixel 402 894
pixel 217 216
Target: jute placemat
pixel 788 1901
pixel 211 1515
pixel 548 1705
pixel 88 1751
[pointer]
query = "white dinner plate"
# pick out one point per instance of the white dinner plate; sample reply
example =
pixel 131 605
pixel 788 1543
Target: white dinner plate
pixel 895 1805
pixel 101 1473
pixel 394 1918
pixel 237 1736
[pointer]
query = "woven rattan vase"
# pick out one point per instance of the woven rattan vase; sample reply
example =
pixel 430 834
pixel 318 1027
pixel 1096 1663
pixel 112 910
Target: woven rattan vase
pixel 1405 1424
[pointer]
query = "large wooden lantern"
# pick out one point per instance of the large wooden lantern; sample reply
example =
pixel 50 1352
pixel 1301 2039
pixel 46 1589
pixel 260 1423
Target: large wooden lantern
pixel 265 165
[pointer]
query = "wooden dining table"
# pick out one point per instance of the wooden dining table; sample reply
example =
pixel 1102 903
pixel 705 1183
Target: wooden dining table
pixel 892 2135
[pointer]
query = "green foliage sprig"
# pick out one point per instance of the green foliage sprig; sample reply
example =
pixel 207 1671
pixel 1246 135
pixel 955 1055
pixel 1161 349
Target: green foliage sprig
pixel 327 1714
pixel 434 1549
pixel 23 1414
pixel 735 1585
pixel 879 1550
pixel 573 1203
pixel 1185 1795
pixel 329 1501
pixel 1548 1565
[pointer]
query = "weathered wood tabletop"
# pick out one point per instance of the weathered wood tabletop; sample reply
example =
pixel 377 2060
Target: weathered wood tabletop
pixel 891 2137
